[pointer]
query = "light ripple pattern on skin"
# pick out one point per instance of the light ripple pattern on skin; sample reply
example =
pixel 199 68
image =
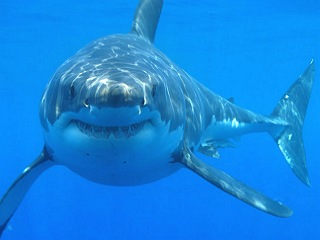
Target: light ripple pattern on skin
pixel 120 112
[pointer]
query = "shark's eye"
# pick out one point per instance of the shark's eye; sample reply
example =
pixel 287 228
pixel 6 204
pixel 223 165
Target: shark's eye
pixel 143 102
pixel 72 91
pixel 86 102
pixel 154 89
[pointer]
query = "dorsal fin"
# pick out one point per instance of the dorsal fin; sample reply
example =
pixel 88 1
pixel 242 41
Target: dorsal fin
pixel 146 19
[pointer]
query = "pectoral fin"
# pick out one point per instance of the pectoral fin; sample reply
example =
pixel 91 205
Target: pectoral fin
pixel 234 187
pixel 14 195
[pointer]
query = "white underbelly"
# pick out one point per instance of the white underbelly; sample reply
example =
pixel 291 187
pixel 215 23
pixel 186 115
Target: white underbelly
pixel 118 167
pixel 130 161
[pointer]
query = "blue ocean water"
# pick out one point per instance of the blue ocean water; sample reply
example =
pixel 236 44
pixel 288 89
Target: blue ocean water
pixel 242 49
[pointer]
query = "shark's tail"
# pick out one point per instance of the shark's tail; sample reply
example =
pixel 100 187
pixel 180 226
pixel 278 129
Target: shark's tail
pixel 292 109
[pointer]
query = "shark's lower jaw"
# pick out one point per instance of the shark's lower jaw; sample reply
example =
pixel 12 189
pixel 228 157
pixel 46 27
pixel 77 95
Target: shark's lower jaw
pixel 116 148
pixel 110 131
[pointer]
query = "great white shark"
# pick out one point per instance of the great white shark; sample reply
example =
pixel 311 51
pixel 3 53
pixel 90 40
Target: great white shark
pixel 119 112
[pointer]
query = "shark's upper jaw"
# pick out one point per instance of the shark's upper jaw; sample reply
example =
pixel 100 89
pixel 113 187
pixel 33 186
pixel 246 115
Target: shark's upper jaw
pixel 111 123
pixel 109 131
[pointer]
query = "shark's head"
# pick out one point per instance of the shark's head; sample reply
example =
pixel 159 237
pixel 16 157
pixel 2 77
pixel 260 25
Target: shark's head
pixel 111 108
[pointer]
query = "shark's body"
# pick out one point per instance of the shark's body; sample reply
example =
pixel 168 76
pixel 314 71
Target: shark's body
pixel 119 112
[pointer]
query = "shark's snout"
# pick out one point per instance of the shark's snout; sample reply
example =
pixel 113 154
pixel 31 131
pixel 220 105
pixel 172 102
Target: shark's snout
pixel 123 95
pixel 116 95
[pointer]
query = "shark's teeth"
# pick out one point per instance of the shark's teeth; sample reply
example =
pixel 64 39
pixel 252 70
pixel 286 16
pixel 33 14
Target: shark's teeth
pixel 106 132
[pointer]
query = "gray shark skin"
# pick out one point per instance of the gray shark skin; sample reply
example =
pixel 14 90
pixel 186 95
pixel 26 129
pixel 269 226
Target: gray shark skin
pixel 119 112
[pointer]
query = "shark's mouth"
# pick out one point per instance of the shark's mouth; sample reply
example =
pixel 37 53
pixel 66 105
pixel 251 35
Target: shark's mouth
pixel 110 131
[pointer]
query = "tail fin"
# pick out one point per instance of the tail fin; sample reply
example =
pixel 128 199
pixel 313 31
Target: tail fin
pixel 292 109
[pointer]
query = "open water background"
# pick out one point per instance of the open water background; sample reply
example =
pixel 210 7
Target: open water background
pixel 249 50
